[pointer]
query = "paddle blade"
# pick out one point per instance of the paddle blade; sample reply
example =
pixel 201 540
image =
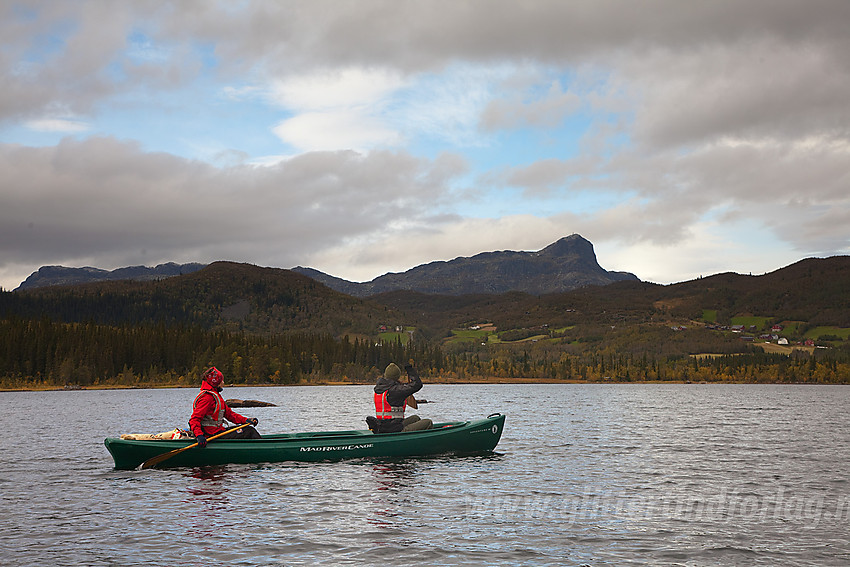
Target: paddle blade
pixel 154 461
pixel 411 401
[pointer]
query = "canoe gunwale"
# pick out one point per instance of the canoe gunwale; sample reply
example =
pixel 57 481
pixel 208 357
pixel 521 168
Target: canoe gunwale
pixel 301 437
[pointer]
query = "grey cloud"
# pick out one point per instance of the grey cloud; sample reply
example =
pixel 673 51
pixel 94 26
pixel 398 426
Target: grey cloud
pixel 802 182
pixel 85 66
pixel 545 176
pixel 281 37
pixel 827 232
pixel 421 35
pixel 753 88
pixel 546 112
pixel 103 198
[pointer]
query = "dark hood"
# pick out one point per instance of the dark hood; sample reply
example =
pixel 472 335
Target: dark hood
pixel 384 384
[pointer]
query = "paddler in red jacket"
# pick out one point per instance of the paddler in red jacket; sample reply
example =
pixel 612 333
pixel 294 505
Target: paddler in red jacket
pixel 209 412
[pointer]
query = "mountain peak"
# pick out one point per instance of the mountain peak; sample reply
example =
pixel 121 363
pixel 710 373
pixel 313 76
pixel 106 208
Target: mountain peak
pixel 564 265
pixel 573 244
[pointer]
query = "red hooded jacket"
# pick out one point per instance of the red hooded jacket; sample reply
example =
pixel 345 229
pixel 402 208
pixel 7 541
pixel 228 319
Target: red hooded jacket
pixel 206 406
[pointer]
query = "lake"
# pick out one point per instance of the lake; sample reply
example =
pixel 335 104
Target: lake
pixel 595 475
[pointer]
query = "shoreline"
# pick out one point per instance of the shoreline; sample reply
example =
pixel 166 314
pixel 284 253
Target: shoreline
pixel 471 381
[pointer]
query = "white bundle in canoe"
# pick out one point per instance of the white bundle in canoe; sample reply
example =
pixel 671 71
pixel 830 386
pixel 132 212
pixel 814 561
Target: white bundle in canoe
pixel 175 433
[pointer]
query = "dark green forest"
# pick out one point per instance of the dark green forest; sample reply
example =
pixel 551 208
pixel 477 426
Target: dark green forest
pixel 41 352
pixel 268 326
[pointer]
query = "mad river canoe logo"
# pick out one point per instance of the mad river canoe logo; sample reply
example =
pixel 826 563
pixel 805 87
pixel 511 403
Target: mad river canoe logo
pixel 339 447
pixel 494 430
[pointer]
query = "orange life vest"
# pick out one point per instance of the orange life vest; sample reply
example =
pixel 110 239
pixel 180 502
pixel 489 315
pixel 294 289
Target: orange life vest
pixel 383 409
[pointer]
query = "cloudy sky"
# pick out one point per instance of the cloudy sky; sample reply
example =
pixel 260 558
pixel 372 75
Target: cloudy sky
pixel 362 137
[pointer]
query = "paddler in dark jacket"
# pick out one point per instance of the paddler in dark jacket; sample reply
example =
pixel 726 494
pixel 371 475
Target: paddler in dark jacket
pixel 391 400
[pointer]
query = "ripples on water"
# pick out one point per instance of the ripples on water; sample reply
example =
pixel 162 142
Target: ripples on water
pixel 584 475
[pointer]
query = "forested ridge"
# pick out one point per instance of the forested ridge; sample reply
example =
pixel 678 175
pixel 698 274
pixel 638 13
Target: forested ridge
pixel 264 325
pixel 222 295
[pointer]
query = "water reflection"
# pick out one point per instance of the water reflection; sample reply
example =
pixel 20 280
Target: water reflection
pixel 215 473
pixel 393 475
pixel 208 499
pixel 393 489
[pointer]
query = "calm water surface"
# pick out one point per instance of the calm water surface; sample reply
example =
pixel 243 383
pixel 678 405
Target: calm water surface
pixel 596 475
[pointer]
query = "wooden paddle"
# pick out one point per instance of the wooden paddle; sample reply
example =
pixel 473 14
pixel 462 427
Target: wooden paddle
pixel 153 461
pixel 411 401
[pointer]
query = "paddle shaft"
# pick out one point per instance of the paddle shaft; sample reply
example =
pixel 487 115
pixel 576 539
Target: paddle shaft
pixel 411 401
pixel 153 461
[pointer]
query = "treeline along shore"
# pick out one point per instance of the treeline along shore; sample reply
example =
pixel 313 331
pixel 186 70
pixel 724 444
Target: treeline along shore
pixel 41 353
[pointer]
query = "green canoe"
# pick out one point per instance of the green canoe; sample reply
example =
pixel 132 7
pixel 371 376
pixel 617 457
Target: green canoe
pixel 460 437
